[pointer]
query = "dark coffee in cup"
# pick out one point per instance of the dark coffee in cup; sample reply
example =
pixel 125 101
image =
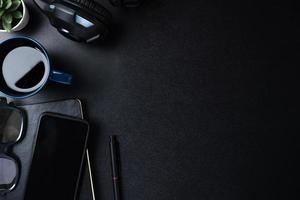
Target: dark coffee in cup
pixel 25 69
pixel 27 81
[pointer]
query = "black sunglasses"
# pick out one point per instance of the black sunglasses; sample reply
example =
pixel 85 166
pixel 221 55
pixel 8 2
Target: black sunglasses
pixel 11 130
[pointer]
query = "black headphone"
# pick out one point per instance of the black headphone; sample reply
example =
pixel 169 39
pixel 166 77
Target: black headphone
pixel 81 20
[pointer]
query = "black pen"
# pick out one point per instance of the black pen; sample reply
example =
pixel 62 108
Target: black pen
pixel 115 167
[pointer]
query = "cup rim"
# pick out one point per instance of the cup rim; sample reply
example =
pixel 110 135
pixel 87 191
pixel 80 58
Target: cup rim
pixel 44 51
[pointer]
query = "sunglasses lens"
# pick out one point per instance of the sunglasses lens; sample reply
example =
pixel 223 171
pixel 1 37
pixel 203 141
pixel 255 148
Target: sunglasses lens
pixel 11 124
pixel 8 173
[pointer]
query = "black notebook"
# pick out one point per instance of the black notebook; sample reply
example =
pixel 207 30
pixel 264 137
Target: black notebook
pixel 24 149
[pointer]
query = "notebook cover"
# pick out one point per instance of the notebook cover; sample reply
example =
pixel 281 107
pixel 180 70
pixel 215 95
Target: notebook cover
pixel 24 149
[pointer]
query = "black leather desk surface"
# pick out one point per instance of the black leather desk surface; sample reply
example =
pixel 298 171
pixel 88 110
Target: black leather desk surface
pixel 200 92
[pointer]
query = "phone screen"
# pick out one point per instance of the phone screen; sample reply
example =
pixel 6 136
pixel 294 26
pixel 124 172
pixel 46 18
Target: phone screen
pixel 58 157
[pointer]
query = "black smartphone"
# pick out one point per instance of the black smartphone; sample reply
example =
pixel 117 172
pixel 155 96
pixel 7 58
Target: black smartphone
pixel 58 158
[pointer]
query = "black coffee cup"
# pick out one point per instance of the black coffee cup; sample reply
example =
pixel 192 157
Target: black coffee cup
pixel 25 68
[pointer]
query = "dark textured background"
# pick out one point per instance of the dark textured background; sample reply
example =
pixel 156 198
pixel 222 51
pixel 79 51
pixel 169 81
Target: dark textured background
pixel 202 94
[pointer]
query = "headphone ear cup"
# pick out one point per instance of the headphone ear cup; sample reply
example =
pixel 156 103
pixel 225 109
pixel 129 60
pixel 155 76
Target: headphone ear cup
pixel 94 9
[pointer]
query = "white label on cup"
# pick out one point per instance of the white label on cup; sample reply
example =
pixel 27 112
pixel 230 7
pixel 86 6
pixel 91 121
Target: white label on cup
pixel 19 62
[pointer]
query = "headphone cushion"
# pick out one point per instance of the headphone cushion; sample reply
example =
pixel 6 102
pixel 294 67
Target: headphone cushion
pixel 94 9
